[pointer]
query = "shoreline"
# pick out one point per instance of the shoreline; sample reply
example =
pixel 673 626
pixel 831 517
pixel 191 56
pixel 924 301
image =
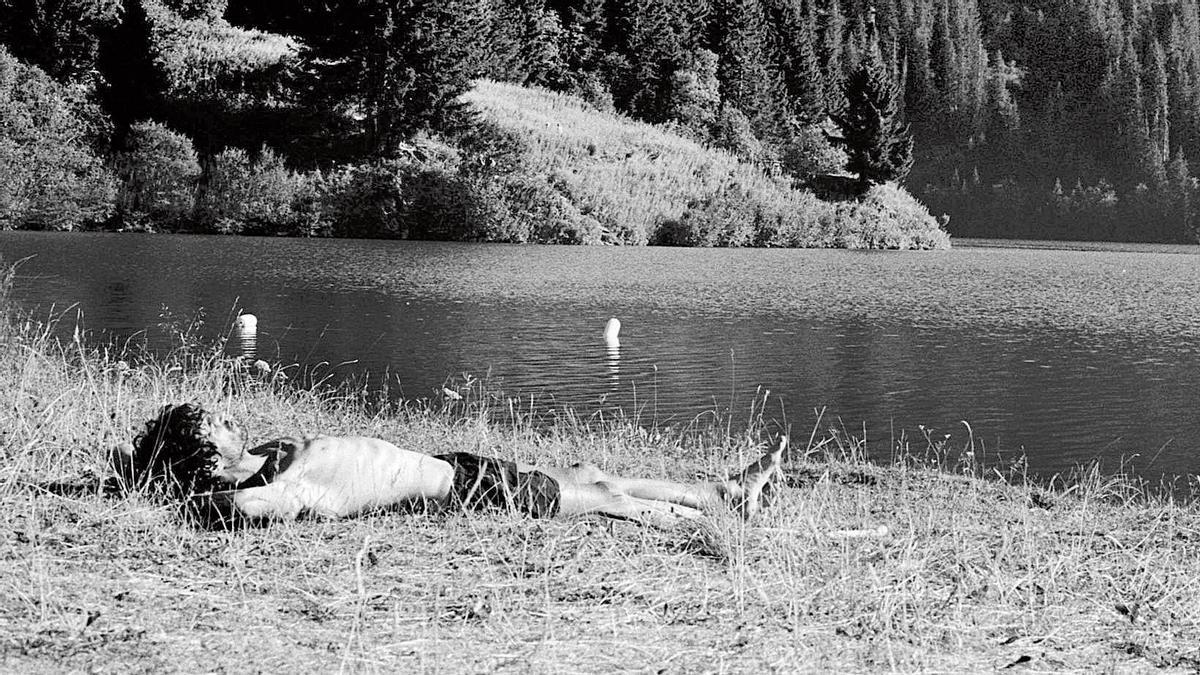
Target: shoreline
pixel 1066 245
pixel 972 574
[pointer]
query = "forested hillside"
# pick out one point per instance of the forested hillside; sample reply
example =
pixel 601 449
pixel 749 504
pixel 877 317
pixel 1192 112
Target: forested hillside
pixel 1069 119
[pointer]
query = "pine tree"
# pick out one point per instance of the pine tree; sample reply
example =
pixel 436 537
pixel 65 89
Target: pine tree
pixel 1157 106
pixel 1002 119
pixel 1182 46
pixel 791 36
pixel 877 142
pixel 650 45
pixel 1130 151
pixel 829 27
pixel 748 81
pixel 1181 190
pixel 958 66
pixel 586 26
pixel 397 66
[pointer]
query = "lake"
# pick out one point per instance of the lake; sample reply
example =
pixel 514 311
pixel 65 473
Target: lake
pixel 1066 355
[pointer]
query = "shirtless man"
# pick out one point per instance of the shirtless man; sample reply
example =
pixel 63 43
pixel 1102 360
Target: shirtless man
pixel 203 457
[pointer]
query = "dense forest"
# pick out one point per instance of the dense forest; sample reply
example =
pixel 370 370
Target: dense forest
pixel 1049 119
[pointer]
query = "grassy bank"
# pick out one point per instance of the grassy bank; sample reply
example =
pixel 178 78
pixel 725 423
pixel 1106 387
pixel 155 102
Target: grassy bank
pixel 643 183
pixel 973 574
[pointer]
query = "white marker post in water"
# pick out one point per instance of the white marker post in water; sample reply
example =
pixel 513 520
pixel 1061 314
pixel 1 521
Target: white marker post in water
pixel 612 343
pixel 245 329
pixel 612 332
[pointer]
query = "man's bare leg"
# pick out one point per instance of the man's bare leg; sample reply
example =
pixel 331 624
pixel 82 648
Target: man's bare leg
pixel 743 490
pixel 578 499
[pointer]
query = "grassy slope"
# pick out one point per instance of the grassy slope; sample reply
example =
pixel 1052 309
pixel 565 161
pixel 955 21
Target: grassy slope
pixel 631 172
pixel 976 575
pixel 636 175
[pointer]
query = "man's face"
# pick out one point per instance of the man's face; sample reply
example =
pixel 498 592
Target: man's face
pixel 230 440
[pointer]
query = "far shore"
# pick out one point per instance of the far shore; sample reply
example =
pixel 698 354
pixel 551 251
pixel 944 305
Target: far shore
pixel 1059 245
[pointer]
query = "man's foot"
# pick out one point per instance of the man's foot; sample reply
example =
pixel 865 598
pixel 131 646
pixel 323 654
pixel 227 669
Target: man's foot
pixel 754 478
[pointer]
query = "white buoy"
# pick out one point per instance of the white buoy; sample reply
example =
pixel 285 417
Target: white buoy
pixel 245 329
pixel 612 331
pixel 612 345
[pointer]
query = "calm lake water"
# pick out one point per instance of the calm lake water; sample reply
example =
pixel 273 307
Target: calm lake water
pixel 1068 355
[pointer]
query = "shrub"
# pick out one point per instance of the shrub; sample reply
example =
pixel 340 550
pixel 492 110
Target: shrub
pixel 274 191
pixel 724 218
pixel 49 177
pixel 363 200
pixel 809 152
pixel 738 216
pixel 221 204
pixel 442 205
pixel 731 131
pixel 591 88
pixel 159 173
pixel 535 211
pixel 259 197
pixel 888 217
pixel 490 150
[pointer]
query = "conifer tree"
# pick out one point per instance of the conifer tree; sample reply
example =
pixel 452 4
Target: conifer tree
pixel 649 43
pixel 1003 117
pixel 792 34
pixel 586 26
pixel 398 66
pixel 748 80
pixel 1129 150
pixel 1157 106
pixel 877 142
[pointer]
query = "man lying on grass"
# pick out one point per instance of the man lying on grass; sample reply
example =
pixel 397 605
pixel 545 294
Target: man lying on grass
pixel 188 453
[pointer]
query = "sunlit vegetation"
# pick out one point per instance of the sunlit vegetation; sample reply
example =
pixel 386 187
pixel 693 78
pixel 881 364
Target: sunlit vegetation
pixel 644 183
pixel 331 120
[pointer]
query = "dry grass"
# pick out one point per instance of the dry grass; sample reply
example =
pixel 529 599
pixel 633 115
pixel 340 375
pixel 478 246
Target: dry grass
pixel 975 574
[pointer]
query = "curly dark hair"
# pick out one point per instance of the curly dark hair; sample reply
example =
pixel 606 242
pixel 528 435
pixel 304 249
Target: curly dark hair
pixel 172 454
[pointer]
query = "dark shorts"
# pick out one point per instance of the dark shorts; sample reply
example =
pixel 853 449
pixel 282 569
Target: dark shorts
pixel 486 482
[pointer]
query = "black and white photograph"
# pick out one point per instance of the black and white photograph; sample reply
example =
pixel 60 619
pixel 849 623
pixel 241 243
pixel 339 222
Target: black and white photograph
pixel 599 336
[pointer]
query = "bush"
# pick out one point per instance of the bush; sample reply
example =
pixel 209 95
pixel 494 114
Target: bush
pixel 808 152
pixel 363 200
pixel 533 210
pixel 888 217
pixel 221 204
pixel 736 216
pixel 259 197
pixel 490 150
pixel 50 179
pixel 441 205
pixel 159 174
pixel 725 218
pixel 591 88
pixel 731 131
pixel 518 208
